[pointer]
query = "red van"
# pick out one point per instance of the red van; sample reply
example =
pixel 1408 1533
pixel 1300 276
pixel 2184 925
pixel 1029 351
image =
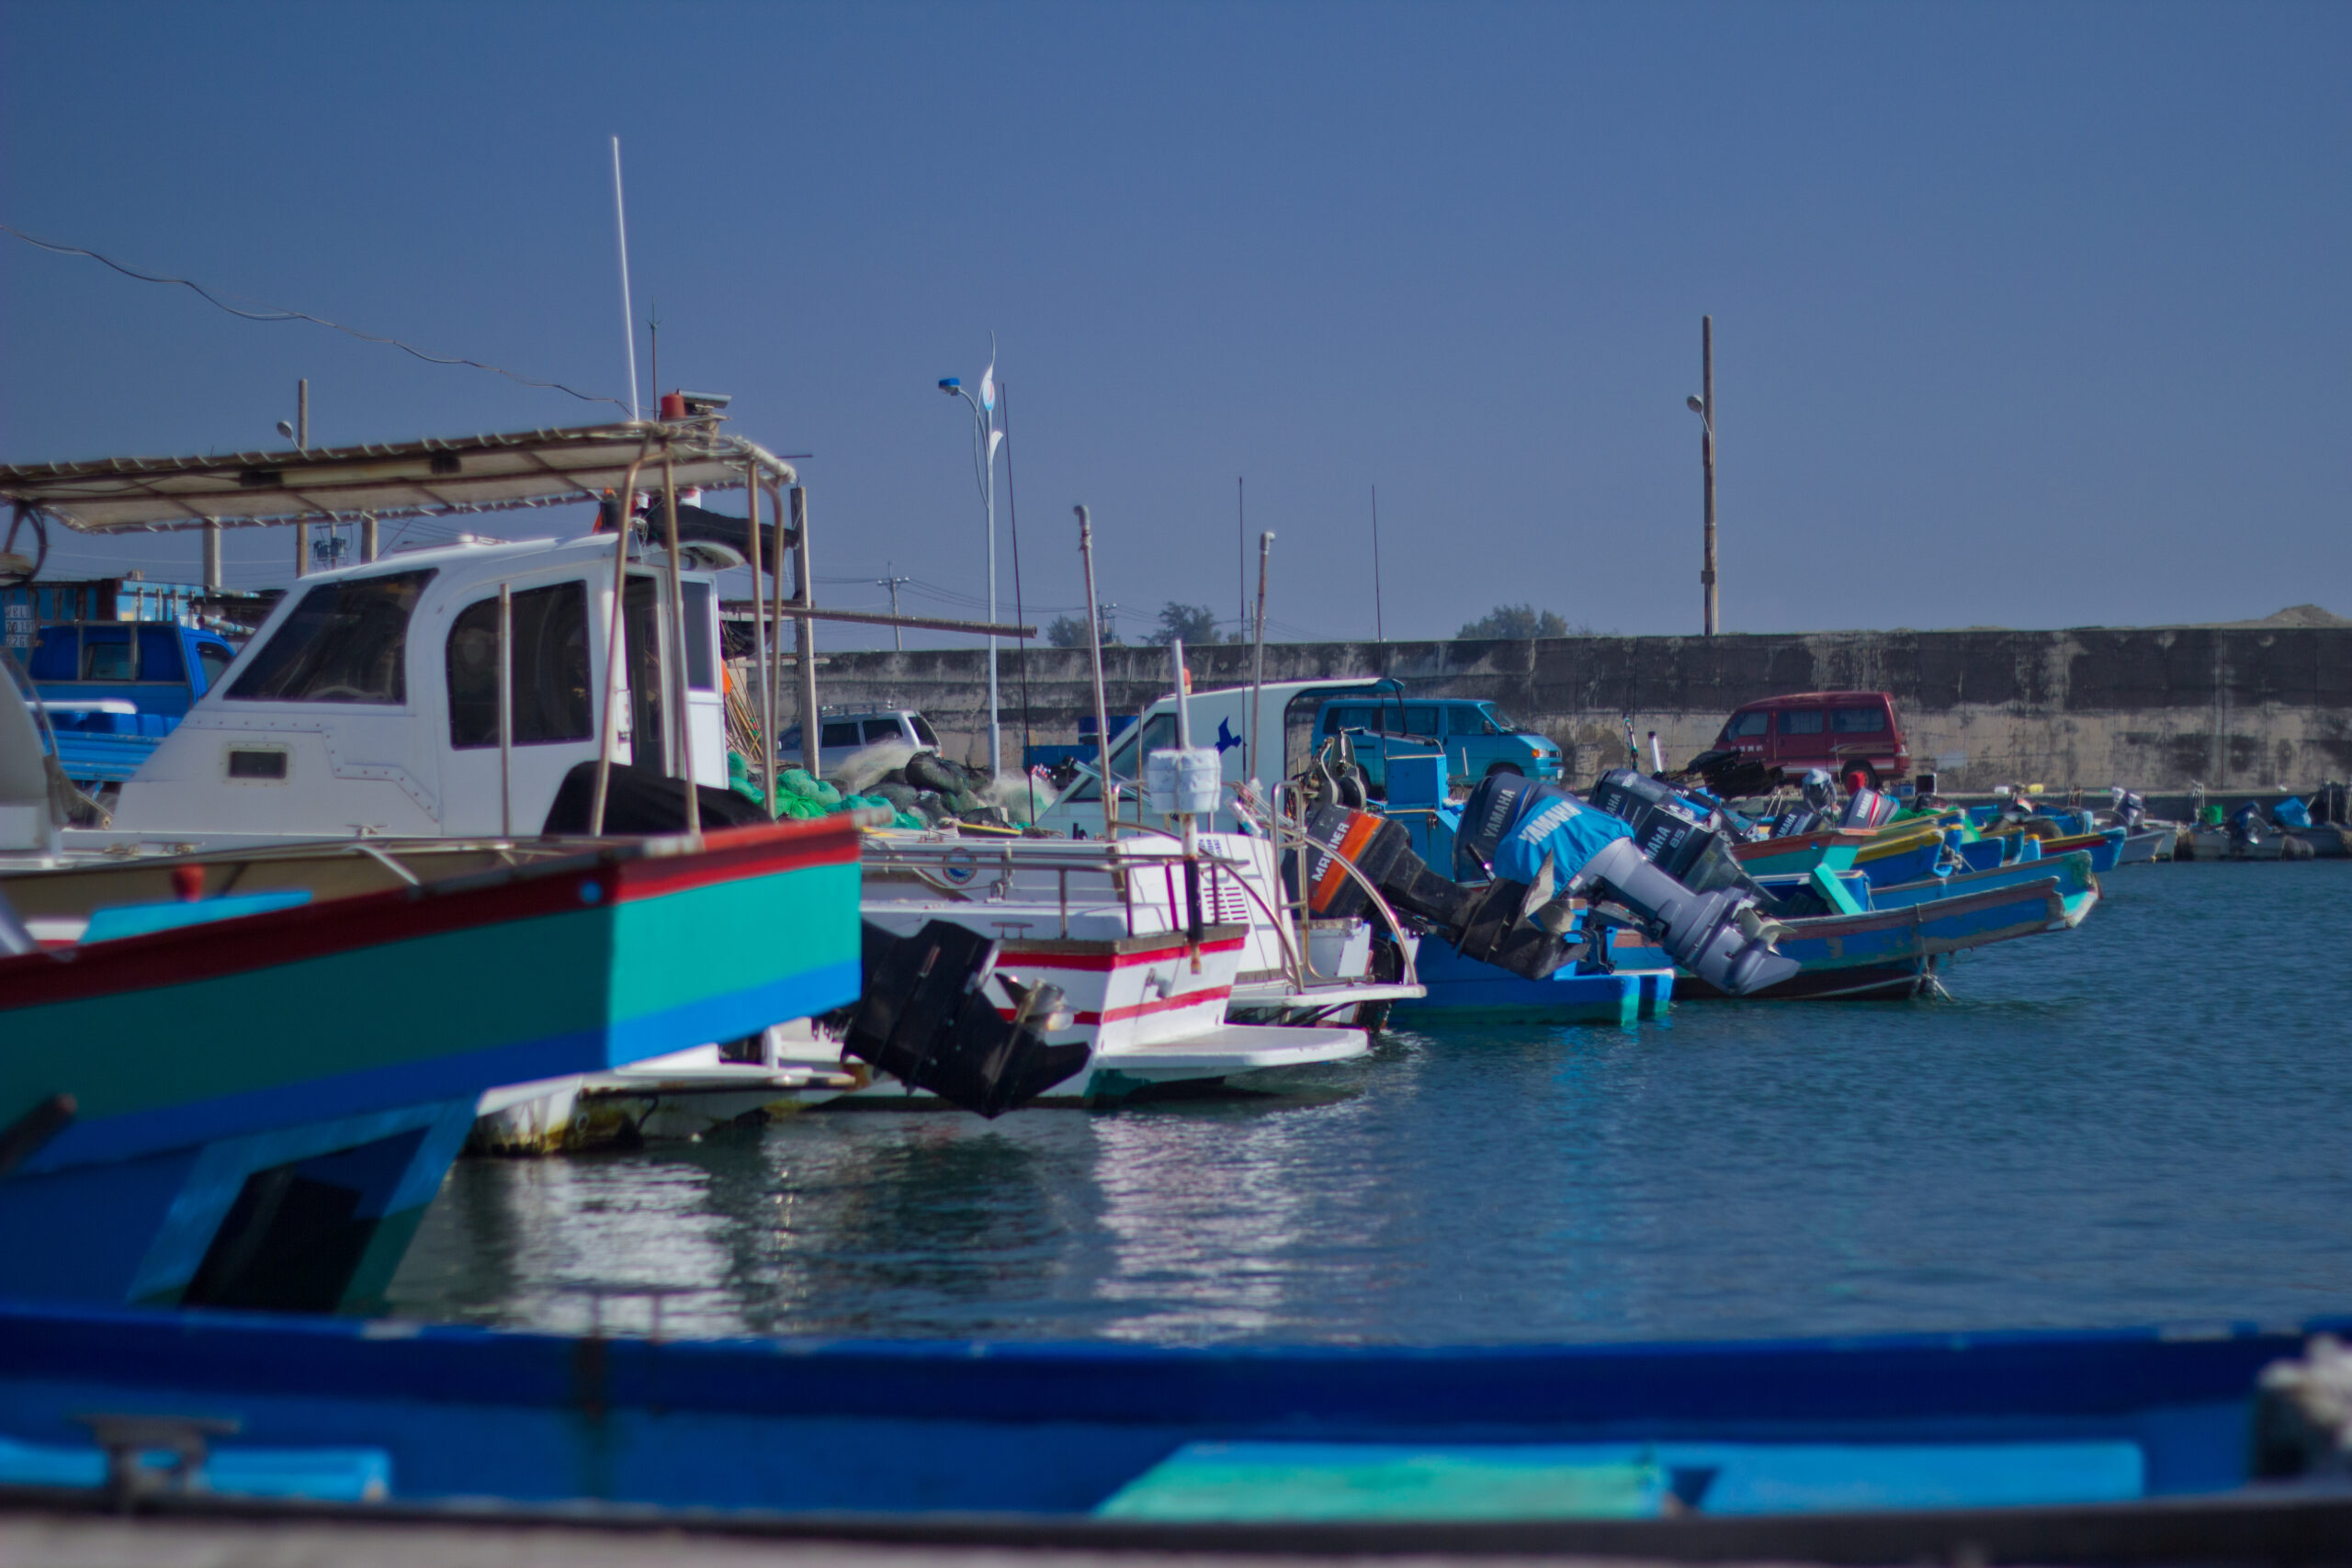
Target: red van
pixel 1854 734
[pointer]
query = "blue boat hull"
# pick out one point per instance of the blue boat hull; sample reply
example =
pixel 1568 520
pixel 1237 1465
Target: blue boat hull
pixel 1955 1420
pixel 1465 990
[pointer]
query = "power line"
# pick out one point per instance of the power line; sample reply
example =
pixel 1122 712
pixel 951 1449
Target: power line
pixel 280 313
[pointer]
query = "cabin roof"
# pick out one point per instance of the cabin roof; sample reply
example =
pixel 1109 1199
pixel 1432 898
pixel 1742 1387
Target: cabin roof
pixel 432 478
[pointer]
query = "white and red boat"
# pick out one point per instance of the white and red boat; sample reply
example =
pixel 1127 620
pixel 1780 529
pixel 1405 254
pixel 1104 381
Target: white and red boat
pixel 1149 989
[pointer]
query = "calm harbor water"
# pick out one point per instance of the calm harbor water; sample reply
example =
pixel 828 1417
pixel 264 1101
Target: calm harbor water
pixel 2147 1120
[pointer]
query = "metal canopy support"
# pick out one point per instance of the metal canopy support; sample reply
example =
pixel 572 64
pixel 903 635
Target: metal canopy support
pixel 766 688
pixel 805 634
pixel 609 731
pixel 682 727
pixel 419 478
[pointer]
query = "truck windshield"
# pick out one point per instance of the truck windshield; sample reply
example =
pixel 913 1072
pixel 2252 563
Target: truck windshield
pixel 1504 722
pixel 345 642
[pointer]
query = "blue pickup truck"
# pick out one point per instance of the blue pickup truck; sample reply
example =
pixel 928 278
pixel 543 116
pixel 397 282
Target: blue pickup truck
pixel 114 689
pixel 1476 737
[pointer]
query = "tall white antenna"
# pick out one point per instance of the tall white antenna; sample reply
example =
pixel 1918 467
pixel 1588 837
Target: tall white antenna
pixel 628 317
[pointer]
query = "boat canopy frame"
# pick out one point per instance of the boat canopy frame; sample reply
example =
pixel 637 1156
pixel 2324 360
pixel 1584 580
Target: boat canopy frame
pixel 435 477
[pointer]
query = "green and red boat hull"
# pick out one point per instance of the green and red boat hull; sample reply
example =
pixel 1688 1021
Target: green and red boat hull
pixel 331 1055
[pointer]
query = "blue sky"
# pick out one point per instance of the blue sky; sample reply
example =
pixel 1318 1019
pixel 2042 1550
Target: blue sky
pixel 2026 315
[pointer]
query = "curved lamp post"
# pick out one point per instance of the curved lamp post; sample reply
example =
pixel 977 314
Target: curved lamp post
pixel 985 439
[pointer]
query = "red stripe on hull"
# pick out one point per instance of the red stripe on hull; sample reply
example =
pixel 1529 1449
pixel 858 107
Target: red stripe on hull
pixel 191 954
pixel 1036 958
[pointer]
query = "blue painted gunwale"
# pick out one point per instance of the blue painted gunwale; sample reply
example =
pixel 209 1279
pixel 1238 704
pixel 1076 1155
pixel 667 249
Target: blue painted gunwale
pixel 1467 990
pixel 1045 1428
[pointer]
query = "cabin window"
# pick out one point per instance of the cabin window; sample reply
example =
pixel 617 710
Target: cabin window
pixel 1748 726
pixel 550 670
pixel 105 654
pixel 1347 719
pixel 1420 719
pixel 345 642
pixel 1857 721
pixel 700 674
pixel 258 762
pixel 1465 721
pixel 840 732
pixel 1801 721
pixel 922 730
pixel 59 654
pixel 159 655
pixel 215 662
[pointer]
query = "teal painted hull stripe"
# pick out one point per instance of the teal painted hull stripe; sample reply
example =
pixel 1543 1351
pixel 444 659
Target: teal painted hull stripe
pixel 730 1015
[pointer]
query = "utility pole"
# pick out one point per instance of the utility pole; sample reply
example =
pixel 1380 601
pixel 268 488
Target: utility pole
pixel 897 634
pixel 303 441
pixel 1379 627
pixel 1707 457
pixel 1241 551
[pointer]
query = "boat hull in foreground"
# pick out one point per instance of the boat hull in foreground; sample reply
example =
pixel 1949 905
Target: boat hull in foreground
pixel 262 1106
pixel 1861 1449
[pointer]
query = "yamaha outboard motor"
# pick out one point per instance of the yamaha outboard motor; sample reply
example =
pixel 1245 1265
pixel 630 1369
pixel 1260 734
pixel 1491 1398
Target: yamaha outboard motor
pixel 1718 935
pixel 2131 809
pixel 1541 843
pixel 925 1017
pixel 1682 835
pixel 1690 890
pixel 1869 809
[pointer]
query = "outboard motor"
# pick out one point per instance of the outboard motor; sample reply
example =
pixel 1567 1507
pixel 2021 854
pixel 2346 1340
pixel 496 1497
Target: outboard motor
pixel 1485 922
pixel 2246 826
pixel 1867 808
pixel 1542 844
pixel 925 1017
pixel 1717 935
pixel 1820 791
pixel 2131 810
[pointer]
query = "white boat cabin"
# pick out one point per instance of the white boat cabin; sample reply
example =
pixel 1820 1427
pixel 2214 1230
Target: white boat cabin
pixel 368 702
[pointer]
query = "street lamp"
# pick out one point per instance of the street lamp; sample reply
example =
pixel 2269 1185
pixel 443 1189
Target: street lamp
pixel 985 438
pixel 1703 405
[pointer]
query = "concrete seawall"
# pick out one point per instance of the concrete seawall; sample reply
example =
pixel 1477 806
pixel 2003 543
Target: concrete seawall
pixel 2158 707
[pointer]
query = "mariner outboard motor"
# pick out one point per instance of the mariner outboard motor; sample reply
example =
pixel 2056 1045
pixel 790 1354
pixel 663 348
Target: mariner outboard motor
pixel 925 1017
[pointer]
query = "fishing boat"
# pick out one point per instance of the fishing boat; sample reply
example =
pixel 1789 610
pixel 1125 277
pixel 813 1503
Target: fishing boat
pixel 2105 847
pixel 1893 948
pixel 2145 846
pixel 2114 1446
pixel 1904 851
pixel 249 1099
pixel 1797 854
pixel 1150 976
pixel 437 702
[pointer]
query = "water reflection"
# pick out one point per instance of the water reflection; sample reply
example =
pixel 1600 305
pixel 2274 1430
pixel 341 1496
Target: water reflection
pixel 2140 1121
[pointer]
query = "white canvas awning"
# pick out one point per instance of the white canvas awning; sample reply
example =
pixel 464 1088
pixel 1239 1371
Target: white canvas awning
pixel 415 478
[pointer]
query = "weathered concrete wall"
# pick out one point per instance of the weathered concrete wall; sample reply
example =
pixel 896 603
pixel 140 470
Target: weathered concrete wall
pixel 2155 708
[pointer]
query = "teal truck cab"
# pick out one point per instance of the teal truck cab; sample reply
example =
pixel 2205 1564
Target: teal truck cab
pixel 112 690
pixel 1477 737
